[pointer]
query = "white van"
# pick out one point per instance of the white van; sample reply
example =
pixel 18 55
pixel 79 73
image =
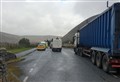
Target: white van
pixel 56 44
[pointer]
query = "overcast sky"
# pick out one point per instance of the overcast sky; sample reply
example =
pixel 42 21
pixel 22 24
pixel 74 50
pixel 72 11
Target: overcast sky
pixel 24 17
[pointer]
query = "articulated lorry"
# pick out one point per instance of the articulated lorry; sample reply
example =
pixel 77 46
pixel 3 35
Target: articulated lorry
pixel 100 39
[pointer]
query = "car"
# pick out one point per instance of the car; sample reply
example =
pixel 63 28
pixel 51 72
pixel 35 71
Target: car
pixel 41 46
pixel 45 43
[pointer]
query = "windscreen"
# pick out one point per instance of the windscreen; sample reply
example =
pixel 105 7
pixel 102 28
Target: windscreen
pixel 41 44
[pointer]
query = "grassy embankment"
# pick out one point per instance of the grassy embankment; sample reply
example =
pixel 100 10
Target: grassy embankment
pixel 14 72
pixel 17 50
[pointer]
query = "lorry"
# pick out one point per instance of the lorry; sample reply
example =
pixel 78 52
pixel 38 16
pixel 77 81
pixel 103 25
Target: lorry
pixel 100 39
pixel 56 45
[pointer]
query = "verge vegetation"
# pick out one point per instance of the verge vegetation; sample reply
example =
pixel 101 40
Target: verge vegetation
pixel 17 50
pixel 13 70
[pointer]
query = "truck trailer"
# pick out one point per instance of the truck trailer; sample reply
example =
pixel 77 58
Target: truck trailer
pixel 100 39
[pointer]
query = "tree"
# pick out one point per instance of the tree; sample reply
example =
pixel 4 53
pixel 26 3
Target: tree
pixel 24 42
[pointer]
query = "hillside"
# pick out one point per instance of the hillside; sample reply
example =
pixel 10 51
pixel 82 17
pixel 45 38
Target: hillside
pixel 69 36
pixel 38 38
pixel 10 38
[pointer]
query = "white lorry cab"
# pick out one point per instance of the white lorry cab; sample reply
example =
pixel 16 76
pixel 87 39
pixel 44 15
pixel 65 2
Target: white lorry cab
pixel 56 45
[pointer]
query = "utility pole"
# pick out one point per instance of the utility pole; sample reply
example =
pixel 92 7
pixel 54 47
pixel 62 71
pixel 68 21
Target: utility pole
pixel 107 4
pixel 3 66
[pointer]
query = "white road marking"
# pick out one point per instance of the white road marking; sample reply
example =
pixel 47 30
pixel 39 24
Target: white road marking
pixel 25 79
pixel 65 53
pixel 31 70
pixel 115 76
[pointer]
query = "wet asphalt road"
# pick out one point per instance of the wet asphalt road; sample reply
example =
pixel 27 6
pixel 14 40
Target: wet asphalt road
pixel 48 66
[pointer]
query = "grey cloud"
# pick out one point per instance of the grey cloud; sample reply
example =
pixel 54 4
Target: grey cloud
pixel 0 17
pixel 39 18
pixel 88 9
pixel 60 0
pixel 31 0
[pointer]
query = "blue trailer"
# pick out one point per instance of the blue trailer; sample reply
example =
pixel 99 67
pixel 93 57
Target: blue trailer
pixel 100 39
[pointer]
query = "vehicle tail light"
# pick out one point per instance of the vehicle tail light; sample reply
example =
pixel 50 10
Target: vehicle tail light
pixel 117 61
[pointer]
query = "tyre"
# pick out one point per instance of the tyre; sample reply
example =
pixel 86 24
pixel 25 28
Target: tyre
pixel 105 64
pixel 99 60
pixel 93 57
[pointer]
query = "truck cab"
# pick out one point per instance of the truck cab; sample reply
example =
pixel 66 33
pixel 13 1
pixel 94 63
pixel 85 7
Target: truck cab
pixel 76 41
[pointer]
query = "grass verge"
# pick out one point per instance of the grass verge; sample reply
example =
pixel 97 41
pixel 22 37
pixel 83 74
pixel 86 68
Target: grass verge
pixel 14 73
pixel 16 60
pixel 17 50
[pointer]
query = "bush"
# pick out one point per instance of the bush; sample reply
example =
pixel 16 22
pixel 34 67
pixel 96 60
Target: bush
pixel 24 42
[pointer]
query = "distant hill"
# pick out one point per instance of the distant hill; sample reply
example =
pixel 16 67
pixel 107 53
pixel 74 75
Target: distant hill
pixel 69 36
pixel 37 38
pixel 11 38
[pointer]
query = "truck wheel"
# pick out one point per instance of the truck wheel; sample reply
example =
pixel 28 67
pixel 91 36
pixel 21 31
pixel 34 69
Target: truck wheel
pixel 99 60
pixel 93 57
pixel 105 64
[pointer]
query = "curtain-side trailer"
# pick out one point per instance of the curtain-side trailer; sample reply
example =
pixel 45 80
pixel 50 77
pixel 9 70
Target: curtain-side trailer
pixel 100 39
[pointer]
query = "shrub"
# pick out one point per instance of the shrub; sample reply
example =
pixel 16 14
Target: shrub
pixel 24 42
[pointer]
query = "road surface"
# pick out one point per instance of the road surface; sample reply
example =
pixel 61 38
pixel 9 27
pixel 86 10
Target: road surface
pixel 48 66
